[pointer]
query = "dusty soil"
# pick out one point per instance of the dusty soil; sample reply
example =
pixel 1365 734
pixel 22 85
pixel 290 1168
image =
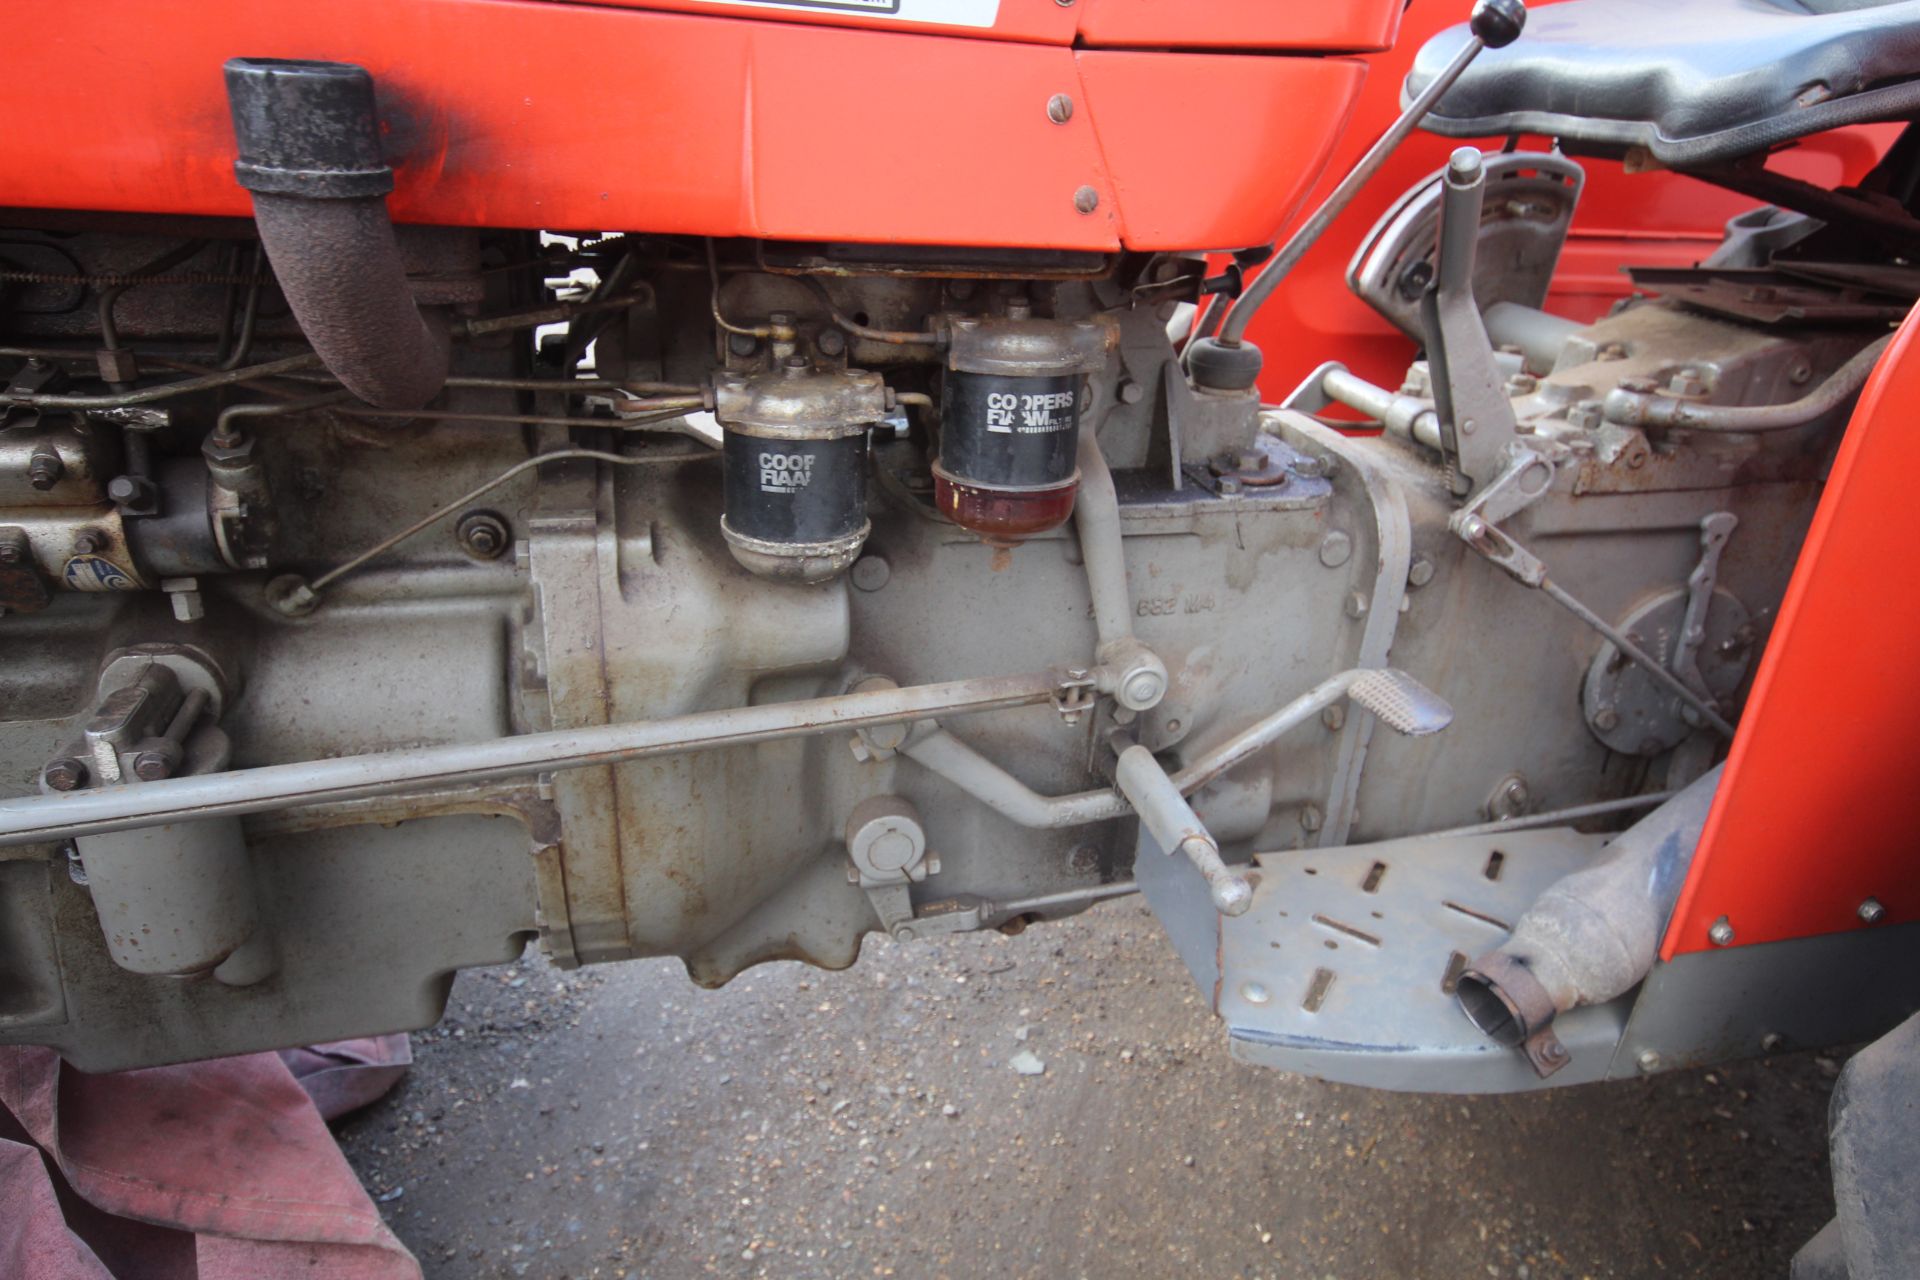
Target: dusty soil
pixel 618 1121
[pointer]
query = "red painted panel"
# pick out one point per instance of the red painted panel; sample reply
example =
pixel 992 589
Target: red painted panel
pixel 1818 809
pixel 602 118
pixel 1342 25
pixel 1128 94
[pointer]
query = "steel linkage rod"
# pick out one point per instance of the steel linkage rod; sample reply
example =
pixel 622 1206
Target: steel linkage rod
pixel 61 815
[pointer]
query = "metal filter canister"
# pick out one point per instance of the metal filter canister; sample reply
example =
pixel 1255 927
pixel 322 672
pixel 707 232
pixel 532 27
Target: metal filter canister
pixel 1011 403
pixel 794 443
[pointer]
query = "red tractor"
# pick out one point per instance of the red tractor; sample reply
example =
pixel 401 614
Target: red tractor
pixel 721 478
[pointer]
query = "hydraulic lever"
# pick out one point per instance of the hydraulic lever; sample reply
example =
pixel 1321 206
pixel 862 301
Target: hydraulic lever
pixel 1494 24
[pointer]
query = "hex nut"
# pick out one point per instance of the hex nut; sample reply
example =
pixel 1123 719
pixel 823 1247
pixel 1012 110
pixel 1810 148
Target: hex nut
pixel 152 766
pixel 66 774
pixel 1720 933
pixel 483 535
pixel 1871 912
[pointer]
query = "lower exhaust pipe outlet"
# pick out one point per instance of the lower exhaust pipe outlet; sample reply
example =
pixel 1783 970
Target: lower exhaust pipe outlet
pixel 1590 937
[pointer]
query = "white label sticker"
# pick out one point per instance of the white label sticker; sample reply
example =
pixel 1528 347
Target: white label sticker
pixel 950 13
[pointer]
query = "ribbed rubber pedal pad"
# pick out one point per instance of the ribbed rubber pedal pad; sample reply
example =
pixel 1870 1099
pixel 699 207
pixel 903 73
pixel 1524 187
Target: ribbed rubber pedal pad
pixel 1401 702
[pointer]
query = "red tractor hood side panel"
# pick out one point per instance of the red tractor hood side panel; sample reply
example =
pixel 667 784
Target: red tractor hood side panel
pixel 601 118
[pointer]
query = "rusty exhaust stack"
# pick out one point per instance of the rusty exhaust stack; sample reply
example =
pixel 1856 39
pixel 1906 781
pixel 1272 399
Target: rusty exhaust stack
pixel 310 155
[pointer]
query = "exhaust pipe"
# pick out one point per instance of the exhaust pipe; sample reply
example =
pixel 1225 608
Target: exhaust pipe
pixel 310 155
pixel 1591 936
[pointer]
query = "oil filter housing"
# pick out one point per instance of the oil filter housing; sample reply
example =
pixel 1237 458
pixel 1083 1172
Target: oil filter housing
pixel 794 442
pixel 1010 420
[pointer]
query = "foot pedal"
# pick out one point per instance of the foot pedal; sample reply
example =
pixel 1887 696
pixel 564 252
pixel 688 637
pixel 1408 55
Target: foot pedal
pixel 1400 702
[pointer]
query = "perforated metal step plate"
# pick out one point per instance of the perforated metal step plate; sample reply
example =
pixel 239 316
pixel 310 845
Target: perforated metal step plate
pixel 1344 966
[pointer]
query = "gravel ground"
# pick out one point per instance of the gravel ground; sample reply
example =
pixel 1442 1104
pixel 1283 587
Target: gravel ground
pixel 618 1121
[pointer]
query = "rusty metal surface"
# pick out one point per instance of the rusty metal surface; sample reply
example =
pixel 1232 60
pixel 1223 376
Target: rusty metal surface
pixel 364 322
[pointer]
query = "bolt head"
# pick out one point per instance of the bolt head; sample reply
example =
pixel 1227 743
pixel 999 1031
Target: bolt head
pixel 831 342
pixel 1131 392
pixel 483 535
pixel 1059 108
pixel 1086 199
pixel 1649 1060
pixel 1230 485
pixel 1254 993
pixel 1720 933
pixel 1606 719
pixel 1420 572
pixel 151 766
pixel 1871 912
pixel 122 488
pixel 65 775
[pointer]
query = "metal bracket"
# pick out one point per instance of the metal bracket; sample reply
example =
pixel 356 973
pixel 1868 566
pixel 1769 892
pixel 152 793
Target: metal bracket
pixel 1715 529
pixel 1525 477
pixel 1076 695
